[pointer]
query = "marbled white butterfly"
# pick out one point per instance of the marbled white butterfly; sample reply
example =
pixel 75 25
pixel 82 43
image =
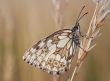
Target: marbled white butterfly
pixel 54 53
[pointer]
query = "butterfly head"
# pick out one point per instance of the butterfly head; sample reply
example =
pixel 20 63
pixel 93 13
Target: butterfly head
pixel 77 25
pixel 76 28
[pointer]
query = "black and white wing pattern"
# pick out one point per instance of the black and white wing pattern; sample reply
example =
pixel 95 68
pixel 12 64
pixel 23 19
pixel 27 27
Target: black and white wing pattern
pixel 54 53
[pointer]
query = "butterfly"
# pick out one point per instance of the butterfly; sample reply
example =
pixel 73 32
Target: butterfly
pixel 54 53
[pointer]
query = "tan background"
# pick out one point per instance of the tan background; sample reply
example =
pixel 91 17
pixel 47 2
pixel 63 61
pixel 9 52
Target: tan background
pixel 24 22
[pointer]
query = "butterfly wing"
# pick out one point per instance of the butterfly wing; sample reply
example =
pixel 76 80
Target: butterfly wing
pixel 52 54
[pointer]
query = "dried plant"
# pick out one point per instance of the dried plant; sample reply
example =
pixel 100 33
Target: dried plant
pixel 100 13
pixel 59 8
pixel 8 60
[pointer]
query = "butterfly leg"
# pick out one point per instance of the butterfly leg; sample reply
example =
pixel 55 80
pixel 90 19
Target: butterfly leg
pixel 82 49
pixel 85 36
pixel 78 44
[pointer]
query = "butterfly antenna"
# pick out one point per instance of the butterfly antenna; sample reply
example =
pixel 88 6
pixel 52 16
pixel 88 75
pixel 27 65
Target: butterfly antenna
pixel 80 14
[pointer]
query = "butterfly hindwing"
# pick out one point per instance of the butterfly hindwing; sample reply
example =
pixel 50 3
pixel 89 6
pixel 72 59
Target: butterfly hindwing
pixel 52 54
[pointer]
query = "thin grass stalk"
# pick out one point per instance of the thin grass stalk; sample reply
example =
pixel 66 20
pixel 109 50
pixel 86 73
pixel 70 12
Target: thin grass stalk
pixel 8 61
pixel 92 32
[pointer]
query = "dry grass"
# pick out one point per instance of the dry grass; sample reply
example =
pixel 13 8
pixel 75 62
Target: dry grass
pixel 59 9
pixel 93 31
pixel 8 60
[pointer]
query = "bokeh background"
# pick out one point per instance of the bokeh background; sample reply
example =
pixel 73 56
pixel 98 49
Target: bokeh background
pixel 24 22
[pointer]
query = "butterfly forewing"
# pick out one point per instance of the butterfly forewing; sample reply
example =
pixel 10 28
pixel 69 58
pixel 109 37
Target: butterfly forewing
pixel 52 54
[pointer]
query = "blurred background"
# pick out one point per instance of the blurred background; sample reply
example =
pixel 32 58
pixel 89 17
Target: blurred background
pixel 24 22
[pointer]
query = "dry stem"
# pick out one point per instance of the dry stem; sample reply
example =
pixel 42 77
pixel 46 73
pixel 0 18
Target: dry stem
pixel 99 15
pixel 59 8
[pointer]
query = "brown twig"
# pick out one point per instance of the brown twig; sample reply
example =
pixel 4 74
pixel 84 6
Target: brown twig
pixel 99 15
